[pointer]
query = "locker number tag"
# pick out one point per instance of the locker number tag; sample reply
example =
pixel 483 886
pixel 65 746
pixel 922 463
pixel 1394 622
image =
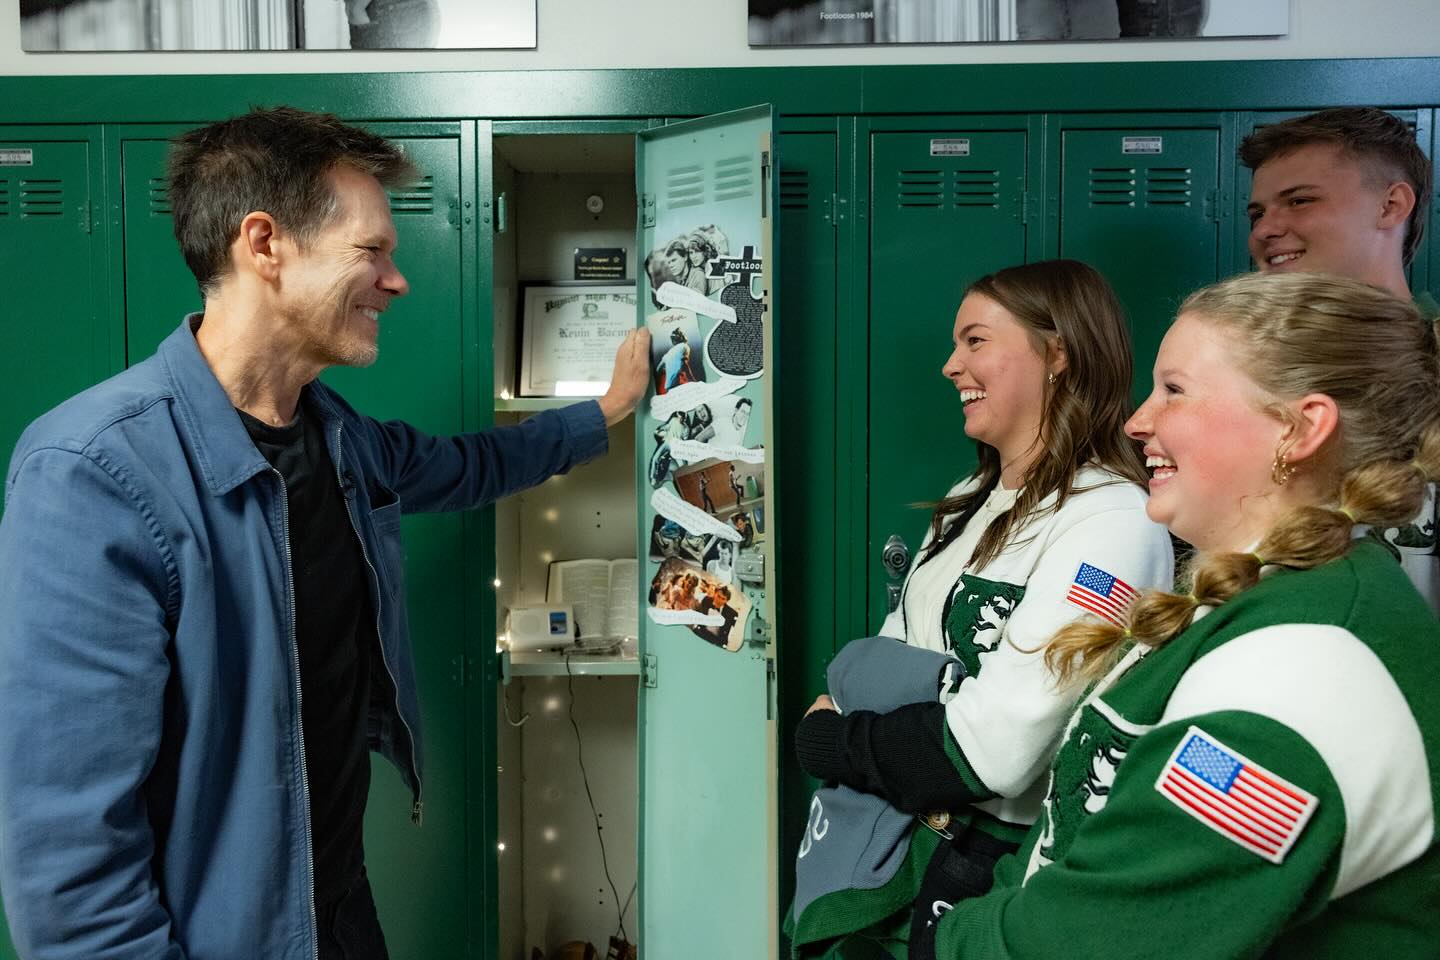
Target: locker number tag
pixel 949 148
pixel 17 158
pixel 1142 144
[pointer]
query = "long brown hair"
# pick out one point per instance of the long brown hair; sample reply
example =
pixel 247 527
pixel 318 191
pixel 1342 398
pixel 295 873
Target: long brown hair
pixel 1085 410
pixel 1294 335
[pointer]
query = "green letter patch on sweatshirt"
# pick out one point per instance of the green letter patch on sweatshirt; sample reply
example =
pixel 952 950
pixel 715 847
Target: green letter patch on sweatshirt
pixel 979 610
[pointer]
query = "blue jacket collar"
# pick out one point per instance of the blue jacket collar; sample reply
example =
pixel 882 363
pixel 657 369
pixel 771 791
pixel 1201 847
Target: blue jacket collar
pixel 224 452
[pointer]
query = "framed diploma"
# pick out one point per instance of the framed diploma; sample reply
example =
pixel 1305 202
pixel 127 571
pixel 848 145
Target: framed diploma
pixel 569 335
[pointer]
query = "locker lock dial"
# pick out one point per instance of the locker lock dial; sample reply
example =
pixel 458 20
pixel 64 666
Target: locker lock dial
pixel 594 203
pixel 895 556
pixel 896 559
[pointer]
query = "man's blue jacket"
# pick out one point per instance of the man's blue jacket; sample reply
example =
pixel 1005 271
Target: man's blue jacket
pixel 152 784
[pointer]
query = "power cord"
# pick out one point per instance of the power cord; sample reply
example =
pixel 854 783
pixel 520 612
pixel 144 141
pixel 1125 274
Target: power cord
pixel 509 719
pixel 633 887
pixel 580 754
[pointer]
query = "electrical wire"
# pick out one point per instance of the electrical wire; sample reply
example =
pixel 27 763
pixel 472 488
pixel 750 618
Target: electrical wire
pixel 509 719
pixel 585 777
pixel 633 887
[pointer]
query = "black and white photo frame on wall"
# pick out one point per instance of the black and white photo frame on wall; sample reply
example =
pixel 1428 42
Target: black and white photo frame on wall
pixel 160 25
pixel 825 22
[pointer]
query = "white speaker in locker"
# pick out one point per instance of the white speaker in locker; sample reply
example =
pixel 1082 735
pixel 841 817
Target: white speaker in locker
pixel 541 628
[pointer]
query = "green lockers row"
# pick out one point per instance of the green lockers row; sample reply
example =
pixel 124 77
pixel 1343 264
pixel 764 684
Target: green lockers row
pixel 883 221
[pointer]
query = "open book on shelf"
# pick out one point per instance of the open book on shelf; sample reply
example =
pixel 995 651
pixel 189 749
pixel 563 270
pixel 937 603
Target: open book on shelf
pixel 604 595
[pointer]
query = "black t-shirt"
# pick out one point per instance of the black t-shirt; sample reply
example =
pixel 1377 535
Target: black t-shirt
pixel 335 633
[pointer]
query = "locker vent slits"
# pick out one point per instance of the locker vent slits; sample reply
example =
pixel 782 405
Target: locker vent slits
pixel 685 187
pixel 921 188
pixel 1167 186
pixel 1112 186
pixel 159 197
pixel 794 189
pixel 42 198
pixel 734 177
pixel 417 201
pixel 977 188
pixel 4 198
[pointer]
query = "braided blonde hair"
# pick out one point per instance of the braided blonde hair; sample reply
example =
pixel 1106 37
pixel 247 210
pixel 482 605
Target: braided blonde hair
pixel 1298 334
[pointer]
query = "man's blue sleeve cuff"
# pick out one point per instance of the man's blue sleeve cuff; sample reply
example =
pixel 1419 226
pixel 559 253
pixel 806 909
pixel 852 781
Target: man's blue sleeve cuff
pixel 585 430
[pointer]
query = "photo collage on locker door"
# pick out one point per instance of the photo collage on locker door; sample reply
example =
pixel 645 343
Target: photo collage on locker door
pixel 706 467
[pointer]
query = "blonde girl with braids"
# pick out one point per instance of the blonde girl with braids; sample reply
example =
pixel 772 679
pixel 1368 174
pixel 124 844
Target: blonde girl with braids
pixel 1254 771
pixel 1050 527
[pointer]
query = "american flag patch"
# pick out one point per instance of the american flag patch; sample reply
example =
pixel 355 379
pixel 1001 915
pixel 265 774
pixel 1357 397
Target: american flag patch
pixel 1234 797
pixel 1103 594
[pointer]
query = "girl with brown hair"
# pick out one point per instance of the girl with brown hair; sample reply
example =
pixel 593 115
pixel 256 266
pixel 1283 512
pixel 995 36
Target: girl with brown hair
pixel 1050 528
pixel 1254 773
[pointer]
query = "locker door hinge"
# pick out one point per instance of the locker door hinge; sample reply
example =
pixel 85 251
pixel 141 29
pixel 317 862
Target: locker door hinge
pixel 647 210
pixel 1024 206
pixel 832 212
pixel 86 213
pixel 1211 209
pixel 770 689
pixel 462 670
pixel 649 671
pixel 764 184
pixel 502 210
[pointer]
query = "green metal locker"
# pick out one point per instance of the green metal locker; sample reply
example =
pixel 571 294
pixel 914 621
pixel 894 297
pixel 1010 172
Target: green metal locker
pixel 419 874
pixel 159 288
pixel 947 206
pixel 1140 200
pixel 56 338
pixel 708 765
pixel 807 398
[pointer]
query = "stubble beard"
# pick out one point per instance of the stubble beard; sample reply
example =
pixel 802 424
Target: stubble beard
pixel 338 345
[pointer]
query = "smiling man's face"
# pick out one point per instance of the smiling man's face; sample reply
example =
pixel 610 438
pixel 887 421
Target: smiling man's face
pixel 338 285
pixel 1318 209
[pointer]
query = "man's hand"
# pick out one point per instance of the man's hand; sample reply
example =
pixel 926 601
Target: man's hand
pixel 822 702
pixel 630 378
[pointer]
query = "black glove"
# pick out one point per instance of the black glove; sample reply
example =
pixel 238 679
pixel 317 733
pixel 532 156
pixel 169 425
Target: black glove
pixel 817 745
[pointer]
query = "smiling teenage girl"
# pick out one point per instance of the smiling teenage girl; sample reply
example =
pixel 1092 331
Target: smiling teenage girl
pixel 1049 529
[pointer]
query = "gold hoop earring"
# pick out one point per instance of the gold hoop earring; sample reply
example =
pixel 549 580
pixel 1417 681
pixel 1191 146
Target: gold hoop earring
pixel 1281 470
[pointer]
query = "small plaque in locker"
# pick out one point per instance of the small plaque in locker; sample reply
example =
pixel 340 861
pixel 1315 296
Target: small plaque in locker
pixel 15 157
pixel 949 148
pixel 1142 145
pixel 540 628
pixel 599 263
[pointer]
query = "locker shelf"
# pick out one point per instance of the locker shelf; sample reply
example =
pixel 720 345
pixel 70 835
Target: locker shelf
pixel 547 664
pixel 534 404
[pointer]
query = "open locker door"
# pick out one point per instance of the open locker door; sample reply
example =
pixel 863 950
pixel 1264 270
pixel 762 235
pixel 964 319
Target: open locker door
pixel 706 462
